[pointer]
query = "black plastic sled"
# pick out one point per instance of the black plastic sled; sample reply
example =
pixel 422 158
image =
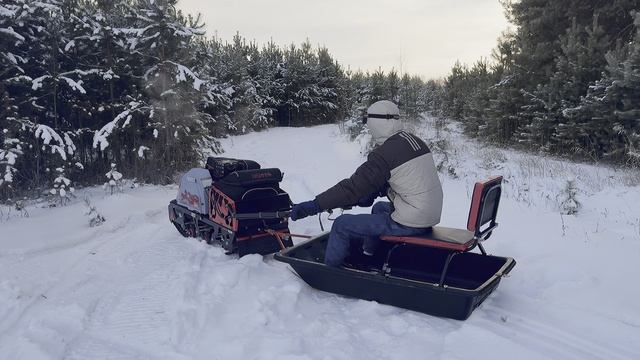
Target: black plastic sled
pixel 434 273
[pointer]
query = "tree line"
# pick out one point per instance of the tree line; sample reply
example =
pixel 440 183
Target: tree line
pixel 565 81
pixel 88 86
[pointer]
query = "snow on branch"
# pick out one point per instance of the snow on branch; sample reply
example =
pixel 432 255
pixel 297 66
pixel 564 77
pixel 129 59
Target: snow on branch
pixel 70 44
pixel 9 31
pixel 6 12
pixel 186 31
pixel 141 151
pixel 75 85
pixel 37 82
pixel 100 137
pixel 183 72
pixel 131 31
pixel 8 156
pixel 49 7
pixel 47 134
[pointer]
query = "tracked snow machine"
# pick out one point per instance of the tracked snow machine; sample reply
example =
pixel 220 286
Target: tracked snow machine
pixel 235 203
pixel 241 206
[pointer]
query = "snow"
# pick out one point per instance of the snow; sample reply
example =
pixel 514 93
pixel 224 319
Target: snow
pixel 75 85
pixel 133 288
pixel 100 137
pixel 8 156
pixel 37 82
pixel 69 45
pixel 184 72
pixel 127 121
pixel 141 151
pixel 108 75
pixel 8 175
pixel 9 31
pixel 113 174
pixel 11 58
pixel 6 12
pixel 229 91
pixel 47 134
pixel 71 147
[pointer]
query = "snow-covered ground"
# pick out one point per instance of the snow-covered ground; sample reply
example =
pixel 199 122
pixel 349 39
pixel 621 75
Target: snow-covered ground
pixel 133 288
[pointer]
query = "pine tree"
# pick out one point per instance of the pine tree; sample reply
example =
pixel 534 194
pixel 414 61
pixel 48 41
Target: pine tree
pixel 11 78
pixel 614 105
pixel 165 120
pixel 392 86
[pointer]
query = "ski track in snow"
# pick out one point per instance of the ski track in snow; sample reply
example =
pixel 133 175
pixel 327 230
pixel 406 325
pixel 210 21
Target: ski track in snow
pixel 135 289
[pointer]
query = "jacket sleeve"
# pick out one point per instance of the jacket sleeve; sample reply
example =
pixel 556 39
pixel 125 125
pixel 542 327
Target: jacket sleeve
pixel 370 177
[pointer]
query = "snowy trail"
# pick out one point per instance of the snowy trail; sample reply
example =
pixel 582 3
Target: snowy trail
pixel 135 289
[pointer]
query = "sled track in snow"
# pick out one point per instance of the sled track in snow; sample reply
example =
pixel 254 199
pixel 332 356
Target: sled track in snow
pixel 551 341
pixel 139 315
pixel 141 299
pixel 44 292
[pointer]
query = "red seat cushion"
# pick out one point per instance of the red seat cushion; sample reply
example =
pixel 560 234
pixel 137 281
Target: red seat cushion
pixel 438 237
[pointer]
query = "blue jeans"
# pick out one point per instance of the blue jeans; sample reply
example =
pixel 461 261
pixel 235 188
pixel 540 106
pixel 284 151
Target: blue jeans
pixel 365 227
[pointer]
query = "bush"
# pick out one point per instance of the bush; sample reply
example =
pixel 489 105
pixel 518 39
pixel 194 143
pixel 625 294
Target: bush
pixel 570 204
pixel 95 218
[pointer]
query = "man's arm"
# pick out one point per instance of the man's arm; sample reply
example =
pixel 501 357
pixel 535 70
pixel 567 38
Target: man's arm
pixel 370 177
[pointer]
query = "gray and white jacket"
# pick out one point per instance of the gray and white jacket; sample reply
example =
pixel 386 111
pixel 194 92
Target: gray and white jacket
pixel 405 165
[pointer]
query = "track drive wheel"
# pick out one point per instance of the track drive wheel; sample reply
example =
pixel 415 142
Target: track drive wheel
pixel 185 225
pixel 180 229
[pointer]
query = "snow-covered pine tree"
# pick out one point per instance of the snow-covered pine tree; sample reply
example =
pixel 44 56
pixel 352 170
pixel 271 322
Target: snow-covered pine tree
pixel 56 91
pixel 409 96
pixel 215 104
pixel 430 97
pixel 479 79
pixel 11 75
pixel 61 190
pixel 114 180
pixel 506 115
pixel 613 104
pixel 268 70
pixel 329 78
pixel 98 52
pixel 249 101
pixel 95 217
pixel 578 68
pixel 165 119
pixel 377 86
pixel 392 86
pixel 16 31
pixel 569 205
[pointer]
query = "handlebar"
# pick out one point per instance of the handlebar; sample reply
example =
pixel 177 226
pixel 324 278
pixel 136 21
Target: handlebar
pixel 263 215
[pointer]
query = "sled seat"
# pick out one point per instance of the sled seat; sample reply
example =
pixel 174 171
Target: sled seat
pixel 439 237
pixel 480 225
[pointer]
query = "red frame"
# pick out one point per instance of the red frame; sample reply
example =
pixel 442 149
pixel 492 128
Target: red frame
pixel 474 214
pixel 474 210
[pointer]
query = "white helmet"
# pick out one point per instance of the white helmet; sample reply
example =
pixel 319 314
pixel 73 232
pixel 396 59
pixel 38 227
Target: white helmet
pixel 383 119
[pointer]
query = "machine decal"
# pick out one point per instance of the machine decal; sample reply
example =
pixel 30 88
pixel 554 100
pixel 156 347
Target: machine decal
pixel 222 208
pixel 189 199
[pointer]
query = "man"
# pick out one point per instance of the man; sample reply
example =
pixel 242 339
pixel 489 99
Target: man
pixel 402 165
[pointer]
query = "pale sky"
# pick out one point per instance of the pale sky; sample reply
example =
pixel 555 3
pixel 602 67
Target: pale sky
pixel 424 37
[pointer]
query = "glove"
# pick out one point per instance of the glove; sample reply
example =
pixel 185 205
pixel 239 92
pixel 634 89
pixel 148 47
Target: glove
pixel 304 209
pixel 367 200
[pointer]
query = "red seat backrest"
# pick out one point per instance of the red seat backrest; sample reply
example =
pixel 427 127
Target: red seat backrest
pixel 484 204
